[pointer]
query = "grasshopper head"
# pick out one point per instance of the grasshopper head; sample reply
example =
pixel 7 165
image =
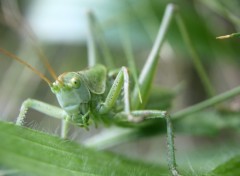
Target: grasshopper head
pixel 72 94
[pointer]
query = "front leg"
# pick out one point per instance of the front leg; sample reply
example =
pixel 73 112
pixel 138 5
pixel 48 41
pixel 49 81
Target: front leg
pixel 121 81
pixel 45 108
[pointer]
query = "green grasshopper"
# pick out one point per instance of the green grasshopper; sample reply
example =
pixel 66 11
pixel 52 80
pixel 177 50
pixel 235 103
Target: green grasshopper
pixel 91 95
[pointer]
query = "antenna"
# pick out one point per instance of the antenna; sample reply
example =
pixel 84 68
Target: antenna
pixel 45 62
pixel 7 53
pixel 14 19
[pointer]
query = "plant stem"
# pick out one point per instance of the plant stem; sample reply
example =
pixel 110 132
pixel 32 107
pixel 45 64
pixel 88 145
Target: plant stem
pixel 207 103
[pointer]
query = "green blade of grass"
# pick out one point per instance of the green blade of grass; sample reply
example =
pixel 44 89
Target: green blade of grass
pixel 36 153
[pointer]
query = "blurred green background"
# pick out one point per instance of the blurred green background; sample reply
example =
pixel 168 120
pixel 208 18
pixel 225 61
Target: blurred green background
pixel 203 140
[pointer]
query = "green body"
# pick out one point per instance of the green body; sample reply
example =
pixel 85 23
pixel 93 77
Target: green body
pixel 93 94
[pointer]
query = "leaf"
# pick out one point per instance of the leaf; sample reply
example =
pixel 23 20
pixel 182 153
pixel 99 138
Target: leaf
pixel 36 153
pixel 229 168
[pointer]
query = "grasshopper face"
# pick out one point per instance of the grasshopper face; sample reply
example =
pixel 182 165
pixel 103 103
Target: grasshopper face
pixel 74 89
pixel 72 94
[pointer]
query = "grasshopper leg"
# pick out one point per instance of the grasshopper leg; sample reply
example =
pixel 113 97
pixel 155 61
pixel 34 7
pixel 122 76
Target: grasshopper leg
pixel 121 81
pixel 91 41
pixel 45 108
pixel 64 129
pixel 141 115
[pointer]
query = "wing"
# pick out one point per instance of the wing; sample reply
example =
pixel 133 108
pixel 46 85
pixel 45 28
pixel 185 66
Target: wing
pixel 95 78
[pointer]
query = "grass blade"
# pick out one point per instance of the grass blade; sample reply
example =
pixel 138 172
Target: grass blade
pixel 36 153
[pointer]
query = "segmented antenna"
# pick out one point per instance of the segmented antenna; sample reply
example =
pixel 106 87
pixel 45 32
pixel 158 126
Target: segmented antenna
pixel 7 53
pixel 46 63
pixel 14 19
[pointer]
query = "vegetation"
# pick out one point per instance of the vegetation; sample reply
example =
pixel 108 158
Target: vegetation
pixel 197 82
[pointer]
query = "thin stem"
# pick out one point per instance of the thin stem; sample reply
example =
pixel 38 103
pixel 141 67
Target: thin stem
pixel 207 103
pixel 196 60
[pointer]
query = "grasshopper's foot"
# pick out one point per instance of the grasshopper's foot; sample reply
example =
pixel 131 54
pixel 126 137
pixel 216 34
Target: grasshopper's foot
pixel 23 111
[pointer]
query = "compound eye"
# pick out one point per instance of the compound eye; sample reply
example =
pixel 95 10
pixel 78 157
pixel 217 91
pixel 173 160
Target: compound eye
pixel 75 82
